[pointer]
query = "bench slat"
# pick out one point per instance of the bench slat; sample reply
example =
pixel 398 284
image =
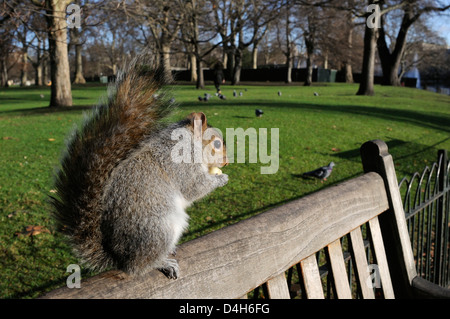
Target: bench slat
pixel 277 287
pixel 362 267
pixel 339 272
pixel 311 278
pixel 380 254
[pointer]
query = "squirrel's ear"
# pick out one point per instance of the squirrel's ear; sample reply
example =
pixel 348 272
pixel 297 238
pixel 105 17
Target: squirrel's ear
pixel 199 116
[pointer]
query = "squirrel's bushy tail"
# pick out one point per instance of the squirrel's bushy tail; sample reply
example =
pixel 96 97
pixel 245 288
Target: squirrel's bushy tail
pixel 109 134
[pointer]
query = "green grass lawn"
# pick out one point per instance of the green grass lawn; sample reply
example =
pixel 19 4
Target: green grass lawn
pixel 314 130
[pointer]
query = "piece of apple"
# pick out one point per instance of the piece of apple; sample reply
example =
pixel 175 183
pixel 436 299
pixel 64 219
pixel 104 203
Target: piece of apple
pixel 215 171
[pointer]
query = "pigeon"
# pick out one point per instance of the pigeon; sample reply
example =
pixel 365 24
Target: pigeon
pixel 240 93
pixel 279 93
pixel 259 112
pixel 222 97
pixel 321 173
pixel 172 100
pixel 234 93
pixel 42 96
pixel 203 99
pixel 316 94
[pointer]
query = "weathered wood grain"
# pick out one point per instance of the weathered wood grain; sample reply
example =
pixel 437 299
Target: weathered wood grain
pixel 222 263
pixel 339 273
pixel 362 267
pixel 311 278
pixel 278 288
pixel 380 255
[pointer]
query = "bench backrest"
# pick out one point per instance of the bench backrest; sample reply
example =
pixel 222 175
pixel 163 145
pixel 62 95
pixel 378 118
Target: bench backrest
pixel 231 262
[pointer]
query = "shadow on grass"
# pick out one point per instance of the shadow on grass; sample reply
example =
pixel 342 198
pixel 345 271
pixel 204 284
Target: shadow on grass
pixel 47 110
pixel 434 121
pixel 399 149
pixel 406 155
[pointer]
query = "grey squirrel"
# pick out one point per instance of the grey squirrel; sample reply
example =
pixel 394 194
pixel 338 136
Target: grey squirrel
pixel 120 197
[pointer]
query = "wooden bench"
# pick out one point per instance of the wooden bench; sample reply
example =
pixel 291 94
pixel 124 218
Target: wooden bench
pixel 231 262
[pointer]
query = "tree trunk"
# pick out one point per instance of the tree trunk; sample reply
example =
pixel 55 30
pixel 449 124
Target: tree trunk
pixel 38 77
pixel 348 72
pixel 368 68
pixel 231 61
pixel 309 43
pixel 390 61
pixel 325 61
pixel 45 68
pixel 24 70
pixel 255 56
pixel 266 57
pixel 225 60
pixel 392 75
pixel 38 81
pixel 237 67
pixel 289 67
pixel 4 72
pixel 200 78
pixel 348 62
pixel 165 61
pixel 61 93
pixel 193 65
pixel 309 71
pixel 79 78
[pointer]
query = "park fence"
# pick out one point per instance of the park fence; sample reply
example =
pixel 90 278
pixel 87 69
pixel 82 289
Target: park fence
pixel 427 207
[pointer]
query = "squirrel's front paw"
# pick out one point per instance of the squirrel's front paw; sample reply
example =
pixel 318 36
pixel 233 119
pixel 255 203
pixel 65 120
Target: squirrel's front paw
pixel 222 179
pixel 170 268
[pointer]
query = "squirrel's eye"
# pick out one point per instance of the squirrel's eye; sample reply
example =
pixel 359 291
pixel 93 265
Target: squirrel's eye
pixel 217 144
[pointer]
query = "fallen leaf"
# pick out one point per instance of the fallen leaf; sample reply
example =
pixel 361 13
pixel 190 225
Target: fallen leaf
pixel 32 231
pixel 335 149
pixel 51 139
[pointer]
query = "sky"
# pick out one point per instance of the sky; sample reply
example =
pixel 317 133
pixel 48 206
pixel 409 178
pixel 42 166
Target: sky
pixel 441 24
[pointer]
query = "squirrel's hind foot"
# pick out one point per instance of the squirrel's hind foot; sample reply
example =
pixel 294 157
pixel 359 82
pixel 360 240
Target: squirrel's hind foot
pixel 170 268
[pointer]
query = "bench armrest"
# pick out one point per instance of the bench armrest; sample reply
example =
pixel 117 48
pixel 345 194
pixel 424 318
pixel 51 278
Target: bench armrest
pixel 423 288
